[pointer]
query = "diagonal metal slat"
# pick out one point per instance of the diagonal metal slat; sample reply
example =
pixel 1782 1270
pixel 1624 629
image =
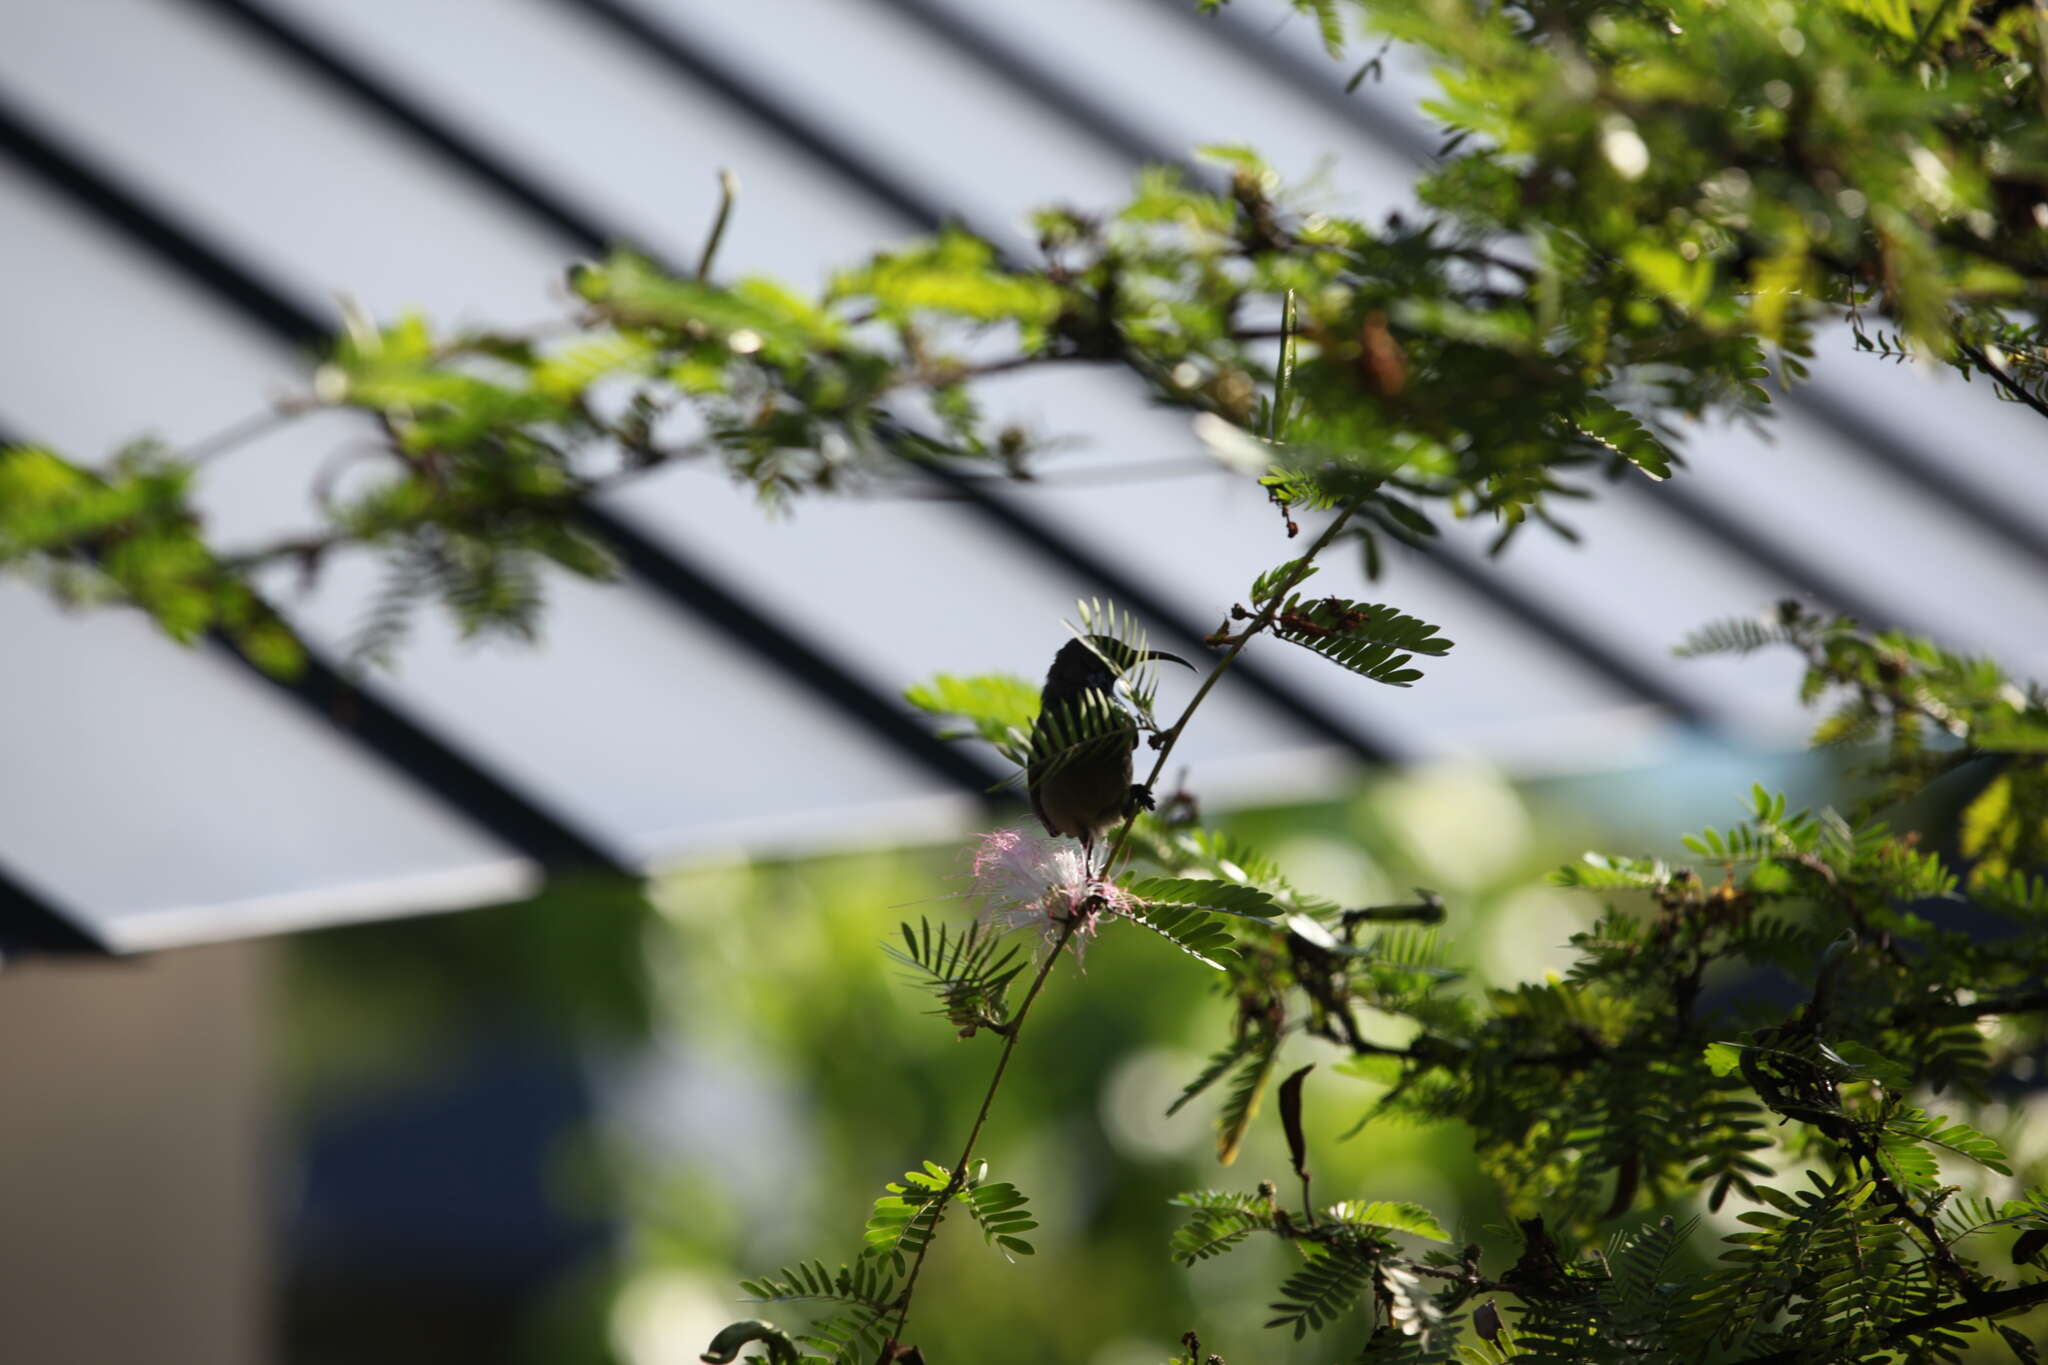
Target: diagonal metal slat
pixel 1249 42
pixel 820 145
pixel 1902 459
pixel 1101 120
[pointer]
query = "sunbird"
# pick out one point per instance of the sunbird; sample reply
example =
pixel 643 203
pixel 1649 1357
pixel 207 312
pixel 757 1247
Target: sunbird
pixel 1080 762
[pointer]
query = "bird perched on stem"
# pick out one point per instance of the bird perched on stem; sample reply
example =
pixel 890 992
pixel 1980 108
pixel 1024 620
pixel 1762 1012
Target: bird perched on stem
pixel 1080 763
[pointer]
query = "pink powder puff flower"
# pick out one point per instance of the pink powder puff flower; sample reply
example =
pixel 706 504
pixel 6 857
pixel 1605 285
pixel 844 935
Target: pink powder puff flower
pixel 1024 881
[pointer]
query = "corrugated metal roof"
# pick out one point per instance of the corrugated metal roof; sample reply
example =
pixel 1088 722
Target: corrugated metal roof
pixel 184 185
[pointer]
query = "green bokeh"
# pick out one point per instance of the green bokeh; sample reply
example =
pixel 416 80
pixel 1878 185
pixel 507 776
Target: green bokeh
pixel 816 1073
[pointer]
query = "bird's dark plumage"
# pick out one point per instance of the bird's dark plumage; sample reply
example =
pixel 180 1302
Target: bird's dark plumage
pixel 1080 769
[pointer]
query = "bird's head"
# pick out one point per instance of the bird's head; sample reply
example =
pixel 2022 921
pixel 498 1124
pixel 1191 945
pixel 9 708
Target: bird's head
pixel 1096 662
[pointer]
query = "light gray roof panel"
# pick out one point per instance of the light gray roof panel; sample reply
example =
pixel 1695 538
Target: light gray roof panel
pixel 166 796
pixel 591 723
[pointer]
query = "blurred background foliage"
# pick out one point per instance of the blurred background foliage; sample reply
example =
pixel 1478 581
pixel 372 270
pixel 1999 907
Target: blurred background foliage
pixel 746 1068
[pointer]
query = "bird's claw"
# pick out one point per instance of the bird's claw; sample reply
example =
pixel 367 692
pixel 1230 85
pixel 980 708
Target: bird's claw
pixel 1140 799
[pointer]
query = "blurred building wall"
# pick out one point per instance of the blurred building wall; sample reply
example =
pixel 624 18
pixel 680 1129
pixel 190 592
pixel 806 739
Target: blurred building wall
pixel 133 1115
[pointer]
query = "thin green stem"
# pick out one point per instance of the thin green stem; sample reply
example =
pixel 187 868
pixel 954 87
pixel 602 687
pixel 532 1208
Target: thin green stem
pixel 958 1179
pixel 1283 378
pixel 728 191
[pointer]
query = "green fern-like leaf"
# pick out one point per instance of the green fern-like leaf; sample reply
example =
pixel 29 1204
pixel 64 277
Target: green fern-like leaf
pixel 968 971
pixel 1227 898
pixel 1738 635
pixel 1769 940
pixel 902 1219
pixel 1618 430
pixel 1505 1347
pixel 997 707
pixel 1002 1214
pixel 1329 23
pixel 1412 949
pixel 1951 1060
pixel 387 622
pixel 1641 1297
pixel 853 1337
pixel 1201 936
pixel 1968 1215
pixel 1322 1290
pixel 1371 639
pixel 1778 1279
pixel 1599 872
pixel 1213 1070
pixel 864 1284
pixel 2013 893
pixel 1951 1135
pixel 1384 1215
pixel 1219 1200
pixel 1314 490
pixel 1220 1221
pixel 1269 584
pixel 1247 1089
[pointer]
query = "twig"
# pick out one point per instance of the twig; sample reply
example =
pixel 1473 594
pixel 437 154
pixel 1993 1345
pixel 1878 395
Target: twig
pixel 958 1179
pixel 1428 910
pixel 1283 378
pixel 1467 1276
pixel 728 191
pixel 1982 359
pixel 240 433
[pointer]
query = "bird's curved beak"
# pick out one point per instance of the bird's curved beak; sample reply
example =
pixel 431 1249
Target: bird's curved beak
pixel 1170 658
